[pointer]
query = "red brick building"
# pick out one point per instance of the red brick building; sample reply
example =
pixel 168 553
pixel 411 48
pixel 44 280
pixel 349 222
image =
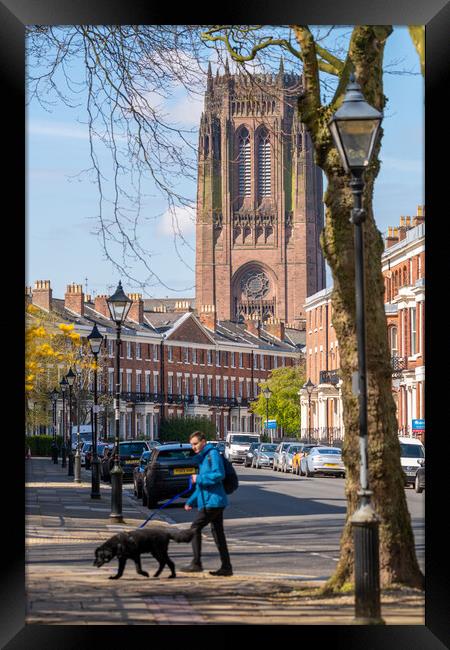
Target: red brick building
pixel 403 267
pixel 174 362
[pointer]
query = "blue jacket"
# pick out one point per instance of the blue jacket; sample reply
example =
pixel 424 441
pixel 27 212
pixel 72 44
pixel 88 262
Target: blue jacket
pixel 209 492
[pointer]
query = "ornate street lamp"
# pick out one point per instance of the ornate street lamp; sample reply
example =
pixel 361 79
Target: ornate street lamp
pixel 95 341
pixel 54 395
pixel 63 385
pixel 119 305
pixel 70 380
pixel 268 394
pixel 354 128
pixel 309 387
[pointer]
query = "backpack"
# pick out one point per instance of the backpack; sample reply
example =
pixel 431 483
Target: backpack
pixel 230 482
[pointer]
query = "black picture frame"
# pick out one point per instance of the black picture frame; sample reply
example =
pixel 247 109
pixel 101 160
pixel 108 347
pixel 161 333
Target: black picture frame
pixel 435 14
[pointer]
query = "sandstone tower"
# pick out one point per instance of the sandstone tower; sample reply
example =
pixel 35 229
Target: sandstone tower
pixel 259 201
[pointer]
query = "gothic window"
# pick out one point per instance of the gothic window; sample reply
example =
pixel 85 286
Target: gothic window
pixel 244 163
pixel 264 164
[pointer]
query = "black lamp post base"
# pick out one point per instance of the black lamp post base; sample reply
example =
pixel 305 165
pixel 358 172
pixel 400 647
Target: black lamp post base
pixel 365 523
pixel 116 494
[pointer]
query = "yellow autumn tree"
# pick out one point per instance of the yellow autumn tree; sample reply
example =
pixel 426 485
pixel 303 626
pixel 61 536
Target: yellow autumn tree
pixel 51 348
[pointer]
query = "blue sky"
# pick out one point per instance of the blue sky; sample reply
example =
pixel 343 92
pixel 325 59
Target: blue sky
pixel 62 201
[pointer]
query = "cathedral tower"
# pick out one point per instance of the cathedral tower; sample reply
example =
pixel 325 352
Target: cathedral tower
pixel 259 201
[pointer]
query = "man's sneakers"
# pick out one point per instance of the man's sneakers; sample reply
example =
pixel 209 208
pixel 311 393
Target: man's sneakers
pixel 192 568
pixel 222 572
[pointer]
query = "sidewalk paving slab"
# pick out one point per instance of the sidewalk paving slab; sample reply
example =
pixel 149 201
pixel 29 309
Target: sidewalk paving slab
pixel 63 527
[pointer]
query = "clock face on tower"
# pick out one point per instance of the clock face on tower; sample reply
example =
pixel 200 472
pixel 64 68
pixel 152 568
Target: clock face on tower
pixel 255 284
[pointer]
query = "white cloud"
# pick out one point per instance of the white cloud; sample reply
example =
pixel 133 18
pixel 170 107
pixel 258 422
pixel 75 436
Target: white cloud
pixel 58 129
pixel 179 221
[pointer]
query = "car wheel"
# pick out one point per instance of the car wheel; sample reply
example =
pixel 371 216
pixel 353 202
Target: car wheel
pixel 417 487
pixel 308 473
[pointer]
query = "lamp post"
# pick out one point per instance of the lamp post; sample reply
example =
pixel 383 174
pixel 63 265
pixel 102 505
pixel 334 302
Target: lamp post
pixel 239 402
pixel 119 305
pixel 268 394
pixel 54 395
pixel 309 387
pixel 63 384
pixel 95 341
pixel 354 128
pixel 70 377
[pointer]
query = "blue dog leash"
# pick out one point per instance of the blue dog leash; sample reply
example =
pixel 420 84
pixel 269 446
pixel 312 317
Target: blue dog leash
pixel 168 502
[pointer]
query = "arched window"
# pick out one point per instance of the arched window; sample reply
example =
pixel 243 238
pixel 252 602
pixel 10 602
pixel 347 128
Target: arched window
pixel 264 171
pixel 244 163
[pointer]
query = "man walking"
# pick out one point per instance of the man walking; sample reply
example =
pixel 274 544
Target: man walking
pixel 211 500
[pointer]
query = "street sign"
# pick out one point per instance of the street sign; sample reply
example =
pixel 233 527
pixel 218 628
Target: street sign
pixel 270 424
pixel 418 425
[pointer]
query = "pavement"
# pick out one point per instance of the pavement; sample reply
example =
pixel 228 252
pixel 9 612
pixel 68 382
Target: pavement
pixel 64 526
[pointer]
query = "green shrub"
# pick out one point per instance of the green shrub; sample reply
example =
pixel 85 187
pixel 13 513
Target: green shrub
pixel 179 429
pixel 40 445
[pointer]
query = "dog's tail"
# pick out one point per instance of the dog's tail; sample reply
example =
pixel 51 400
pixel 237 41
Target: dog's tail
pixel 181 535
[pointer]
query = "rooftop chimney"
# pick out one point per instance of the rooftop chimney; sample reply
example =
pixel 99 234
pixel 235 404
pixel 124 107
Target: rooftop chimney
pixel 253 325
pixel 420 216
pixel 74 298
pixel 275 327
pixel 392 237
pixel 42 294
pixel 101 306
pixel 136 313
pixel 208 317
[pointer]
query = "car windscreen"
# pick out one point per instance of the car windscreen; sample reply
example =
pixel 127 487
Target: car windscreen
pixel 411 451
pixel 268 447
pixel 175 454
pixel 294 450
pixel 132 448
pixel 328 450
pixel 241 439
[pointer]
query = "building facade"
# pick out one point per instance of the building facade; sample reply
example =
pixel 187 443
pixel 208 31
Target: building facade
pixel 174 362
pixel 403 267
pixel 259 202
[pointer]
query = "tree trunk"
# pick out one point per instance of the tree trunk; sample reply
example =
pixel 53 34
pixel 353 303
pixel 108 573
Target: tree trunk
pixel 398 562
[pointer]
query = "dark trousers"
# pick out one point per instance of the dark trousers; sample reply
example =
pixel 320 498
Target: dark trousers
pixel 213 516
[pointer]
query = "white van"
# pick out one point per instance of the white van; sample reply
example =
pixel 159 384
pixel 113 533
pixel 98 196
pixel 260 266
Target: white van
pixel 412 453
pixel 237 445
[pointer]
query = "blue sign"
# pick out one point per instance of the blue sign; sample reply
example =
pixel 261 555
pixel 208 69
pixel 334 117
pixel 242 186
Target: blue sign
pixel 270 424
pixel 418 425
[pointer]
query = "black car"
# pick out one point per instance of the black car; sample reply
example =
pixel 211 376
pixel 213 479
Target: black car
pixel 419 481
pixel 167 473
pixel 248 460
pixel 130 452
pixel 138 473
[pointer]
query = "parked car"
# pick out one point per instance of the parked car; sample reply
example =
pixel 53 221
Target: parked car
pixel 286 460
pixel 278 456
pixel 248 460
pixel 219 445
pixel 419 482
pixel 167 473
pixel 263 456
pixel 412 452
pixel 130 452
pixel 323 460
pixel 304 448
pixel 138 473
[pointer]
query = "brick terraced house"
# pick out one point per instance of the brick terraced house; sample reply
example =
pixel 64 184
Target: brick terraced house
pixel 403 267
pixel 174 362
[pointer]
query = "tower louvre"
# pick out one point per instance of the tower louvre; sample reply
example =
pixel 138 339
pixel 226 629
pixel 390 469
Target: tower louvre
pixel 259 201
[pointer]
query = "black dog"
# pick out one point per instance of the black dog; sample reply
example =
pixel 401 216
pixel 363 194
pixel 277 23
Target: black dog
pixel 130 545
